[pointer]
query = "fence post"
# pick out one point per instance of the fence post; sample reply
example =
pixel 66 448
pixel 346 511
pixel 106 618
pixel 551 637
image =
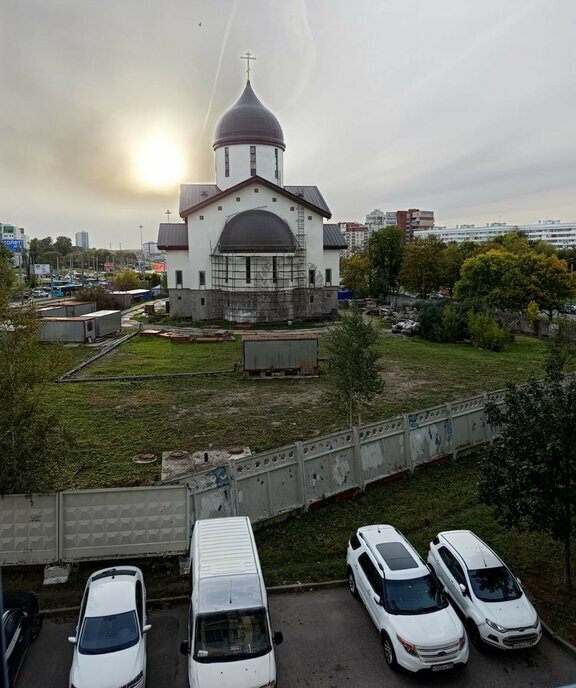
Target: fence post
pixel 357 458
pixel 233 486
pixel 450 444
pixel 407 448
pixel 59 527
pixel 299 451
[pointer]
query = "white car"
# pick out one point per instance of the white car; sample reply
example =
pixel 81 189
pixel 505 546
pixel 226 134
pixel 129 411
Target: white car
pixel 110 640
pixel 419 629
pixel 491 599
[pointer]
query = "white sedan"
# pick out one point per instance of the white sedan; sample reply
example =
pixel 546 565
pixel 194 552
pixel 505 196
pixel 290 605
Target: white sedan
pixel 110 640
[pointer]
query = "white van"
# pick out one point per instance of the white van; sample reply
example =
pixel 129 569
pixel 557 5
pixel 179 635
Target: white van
pixel 229 643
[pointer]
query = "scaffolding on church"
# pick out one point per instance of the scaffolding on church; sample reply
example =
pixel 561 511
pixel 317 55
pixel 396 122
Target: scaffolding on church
pixel 263 287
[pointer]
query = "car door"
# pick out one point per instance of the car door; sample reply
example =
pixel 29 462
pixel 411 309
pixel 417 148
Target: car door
pixel 15 638
pixel 373 586
pixel 455 578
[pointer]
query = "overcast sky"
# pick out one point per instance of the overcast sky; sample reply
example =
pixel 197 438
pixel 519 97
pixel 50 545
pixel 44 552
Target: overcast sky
pixel 463 107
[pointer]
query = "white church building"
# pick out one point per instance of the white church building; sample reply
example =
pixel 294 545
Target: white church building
pixel 250 249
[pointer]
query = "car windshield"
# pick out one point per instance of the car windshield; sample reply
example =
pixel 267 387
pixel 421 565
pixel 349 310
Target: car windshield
pixel 494 585
pixel 231 635
pixel 102 634
pixel 414 596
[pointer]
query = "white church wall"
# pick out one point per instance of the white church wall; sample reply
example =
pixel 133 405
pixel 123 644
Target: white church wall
pixel 239 164
pixel 177 260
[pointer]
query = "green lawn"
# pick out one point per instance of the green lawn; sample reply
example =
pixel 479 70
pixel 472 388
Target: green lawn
pixel 113 421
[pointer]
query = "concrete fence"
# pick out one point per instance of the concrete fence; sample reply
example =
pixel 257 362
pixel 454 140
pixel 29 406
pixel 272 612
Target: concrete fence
pixel 147 521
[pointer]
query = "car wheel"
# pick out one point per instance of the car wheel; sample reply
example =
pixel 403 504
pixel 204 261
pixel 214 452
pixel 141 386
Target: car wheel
pixel 389 654
pixel 352 583
pixel 474 633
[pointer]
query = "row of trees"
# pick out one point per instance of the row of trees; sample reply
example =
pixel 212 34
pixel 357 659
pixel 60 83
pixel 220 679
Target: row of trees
pixel 61 254
pixel 509 273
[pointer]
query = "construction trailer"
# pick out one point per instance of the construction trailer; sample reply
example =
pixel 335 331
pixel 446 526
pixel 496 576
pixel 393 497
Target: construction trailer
pixel 81 329
pixel 66 309
pixel 278 355
pixel 107 322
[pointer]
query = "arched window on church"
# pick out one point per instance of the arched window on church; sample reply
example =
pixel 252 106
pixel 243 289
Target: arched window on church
pixel 252 161
pixel 226 161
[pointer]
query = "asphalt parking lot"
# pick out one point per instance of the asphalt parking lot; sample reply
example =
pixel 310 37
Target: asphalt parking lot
pixel 329 641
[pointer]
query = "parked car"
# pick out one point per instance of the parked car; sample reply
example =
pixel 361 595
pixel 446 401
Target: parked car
pixel 21 624
pixel 110 640
pixel 40 293
pixel 491 599
pixel 418 627
pixel 570 308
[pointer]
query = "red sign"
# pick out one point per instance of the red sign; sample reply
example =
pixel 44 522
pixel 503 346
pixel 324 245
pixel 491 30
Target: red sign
pixel 159 267
pixel 108 266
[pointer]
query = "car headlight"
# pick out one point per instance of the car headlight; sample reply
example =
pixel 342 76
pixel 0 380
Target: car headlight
pixel 496 626
pixel 462 641
pixel 409 647
pixel 134 682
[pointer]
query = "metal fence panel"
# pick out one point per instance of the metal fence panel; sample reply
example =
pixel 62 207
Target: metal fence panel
pixel 268 484
pixel 382 449
pixel 124 522
pixel 430 435
pixel 28 530
pixel 329 466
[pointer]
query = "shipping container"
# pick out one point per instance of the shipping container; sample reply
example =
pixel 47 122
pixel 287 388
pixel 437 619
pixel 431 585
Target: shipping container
pixel 281 354
pixel 81 329
pixel 107 322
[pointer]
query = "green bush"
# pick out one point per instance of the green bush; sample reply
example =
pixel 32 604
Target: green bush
pixel 485 333
pixel 443 322
pixel 430 314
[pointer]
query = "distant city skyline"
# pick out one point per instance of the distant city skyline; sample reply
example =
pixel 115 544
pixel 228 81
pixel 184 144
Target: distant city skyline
pixel 459 107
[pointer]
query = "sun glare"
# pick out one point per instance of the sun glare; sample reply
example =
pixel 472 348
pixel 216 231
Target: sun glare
pixel 159 162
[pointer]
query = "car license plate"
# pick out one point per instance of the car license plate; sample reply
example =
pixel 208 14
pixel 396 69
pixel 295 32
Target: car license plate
pixel 442 667
pixel 521 646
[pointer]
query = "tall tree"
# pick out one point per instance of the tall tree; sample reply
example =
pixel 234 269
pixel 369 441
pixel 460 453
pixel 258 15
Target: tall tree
pixel 6 268
pixel 529 473
pixel 355 273
pixel 34 443
pixel 126 280
pixel 422 265
pixel 385 252
pixel 551 282
pixel 354 376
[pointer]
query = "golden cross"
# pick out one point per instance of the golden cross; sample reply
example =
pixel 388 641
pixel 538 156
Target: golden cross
pixel 247 57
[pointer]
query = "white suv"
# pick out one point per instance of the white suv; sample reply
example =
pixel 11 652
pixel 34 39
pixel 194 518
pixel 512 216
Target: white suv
pixel 496 610
pixel 418 627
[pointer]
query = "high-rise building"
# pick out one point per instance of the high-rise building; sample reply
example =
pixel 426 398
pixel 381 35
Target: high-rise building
pixel 412 220
pixel 355 235
pixel 82 240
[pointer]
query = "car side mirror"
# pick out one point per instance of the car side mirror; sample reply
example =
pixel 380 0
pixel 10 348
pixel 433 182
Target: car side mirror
pixel 463 589
pixel 146 628
pixel 278 638
pixel 184 647
pixel 72 639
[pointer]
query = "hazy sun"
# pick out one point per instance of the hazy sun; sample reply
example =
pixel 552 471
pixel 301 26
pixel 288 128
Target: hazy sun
pixel 159 162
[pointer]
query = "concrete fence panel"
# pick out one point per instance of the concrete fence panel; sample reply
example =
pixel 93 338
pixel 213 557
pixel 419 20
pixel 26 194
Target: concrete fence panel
pixel 330 466
pixel 383 449
pixel 124 522
pixel 468 422
pixel 269 483
pixel 430 435
pixel 29 529
pixel 210 494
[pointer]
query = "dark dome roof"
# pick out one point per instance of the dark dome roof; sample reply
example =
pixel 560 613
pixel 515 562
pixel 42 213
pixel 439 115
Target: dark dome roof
pixel 258 231
pixel 248 121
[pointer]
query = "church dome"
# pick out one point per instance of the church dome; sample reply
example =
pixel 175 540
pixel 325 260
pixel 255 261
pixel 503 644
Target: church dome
pixel 258 231
pixel 248 121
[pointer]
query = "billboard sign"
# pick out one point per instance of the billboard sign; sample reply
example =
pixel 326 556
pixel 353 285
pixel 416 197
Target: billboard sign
pixel 108 266
pixel 159 267
pixel 42 269
pixel 14 244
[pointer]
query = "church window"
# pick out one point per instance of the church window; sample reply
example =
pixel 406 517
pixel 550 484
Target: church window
pixel 328 277
pixel 276 160
pixel 274 268
pixel 291 269
pixel 252 161
pixel 178 278
pixel 311 298
pixel 202 301
pixel 201 217
pixel 312 277
pixel 255 190
pixel 226 161
pixel 291 207
pixel 309 217
pixel 226 269
pixel 248 271
pixel 219 207
pixel 237 199
pixel 273 200
pixel 202 278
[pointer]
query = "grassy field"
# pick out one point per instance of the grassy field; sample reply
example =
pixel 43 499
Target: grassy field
pixel 114 421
